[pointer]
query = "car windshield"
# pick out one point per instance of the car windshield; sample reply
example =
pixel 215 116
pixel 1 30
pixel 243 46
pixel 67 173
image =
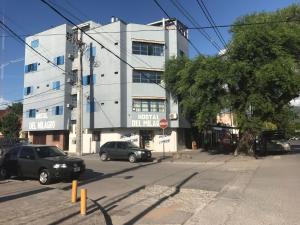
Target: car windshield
pixel 130 145
pixel 49 151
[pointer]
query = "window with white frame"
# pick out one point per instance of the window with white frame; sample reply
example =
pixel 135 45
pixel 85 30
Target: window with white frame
pixel 145 48
pixel 144 76
pixel 148 105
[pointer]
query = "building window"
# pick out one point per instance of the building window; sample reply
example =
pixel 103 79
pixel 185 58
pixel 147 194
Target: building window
pixel 28 90
pixel 86 80
pixel 74 101
pixel 35 43
pixel 31 113
pixel 57 110
pixel 140 76
pixel 56 85
pixel 148 105
pixel 60 60
pixel 55 137
pixel 144 48
pixel 30 67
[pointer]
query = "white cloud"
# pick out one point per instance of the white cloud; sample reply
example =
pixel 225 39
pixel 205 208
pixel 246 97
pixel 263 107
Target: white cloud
pixel 296 102
pixel 2 102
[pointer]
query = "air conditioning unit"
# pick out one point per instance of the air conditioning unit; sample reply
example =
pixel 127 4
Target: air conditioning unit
pixel 71 56
pixel 173 116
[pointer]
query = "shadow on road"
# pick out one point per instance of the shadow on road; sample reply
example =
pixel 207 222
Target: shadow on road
pixel 92 176
pixel 153 206
pixel 24 194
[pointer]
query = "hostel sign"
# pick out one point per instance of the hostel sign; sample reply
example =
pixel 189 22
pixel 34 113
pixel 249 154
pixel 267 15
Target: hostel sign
pixel 145 120
pixel 40 123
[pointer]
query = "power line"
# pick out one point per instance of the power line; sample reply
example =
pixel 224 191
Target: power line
pixel 164 11
pixel 195 23
pixel 110 38
pixel 78 10
pixel 17 36
pixel 67 11
pixel 144 30
pixel 211 22
pixel 4 26
pixel 91 37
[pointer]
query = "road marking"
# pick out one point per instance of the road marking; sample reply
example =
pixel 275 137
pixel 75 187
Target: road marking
pixel 277 157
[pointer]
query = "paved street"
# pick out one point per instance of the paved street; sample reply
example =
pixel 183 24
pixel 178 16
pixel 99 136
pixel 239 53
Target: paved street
pixel 218 190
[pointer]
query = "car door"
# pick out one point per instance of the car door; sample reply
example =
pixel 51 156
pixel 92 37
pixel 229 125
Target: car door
pixel 10 161
pixel 110 149
pixel 27 162
pixel 122 150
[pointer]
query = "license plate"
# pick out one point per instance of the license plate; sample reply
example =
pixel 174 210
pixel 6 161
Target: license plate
pixel 76 169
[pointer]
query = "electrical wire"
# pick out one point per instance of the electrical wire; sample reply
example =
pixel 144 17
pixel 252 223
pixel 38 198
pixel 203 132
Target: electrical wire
pixel 190 18
pixel 211 22
pixel 188 28
pixel 102 46
pixel 164 11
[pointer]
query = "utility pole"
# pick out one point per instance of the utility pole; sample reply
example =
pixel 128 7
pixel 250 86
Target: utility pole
pixel 79 96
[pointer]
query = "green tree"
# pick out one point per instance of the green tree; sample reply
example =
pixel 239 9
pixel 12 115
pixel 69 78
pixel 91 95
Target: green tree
pixel 257 78
pixel 10 124
pixel 264 73
pixel 199 86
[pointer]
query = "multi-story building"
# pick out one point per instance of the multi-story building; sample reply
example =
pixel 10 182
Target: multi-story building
pixel 123 93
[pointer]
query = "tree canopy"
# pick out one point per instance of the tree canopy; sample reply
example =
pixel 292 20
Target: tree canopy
pixel 10 124
pixel 256 78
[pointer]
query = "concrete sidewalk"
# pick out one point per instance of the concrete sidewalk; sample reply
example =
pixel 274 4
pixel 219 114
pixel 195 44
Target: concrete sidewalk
pixel 187 156
pixel 23 202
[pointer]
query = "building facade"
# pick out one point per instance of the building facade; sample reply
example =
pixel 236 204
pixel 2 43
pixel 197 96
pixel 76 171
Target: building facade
pixel 123 93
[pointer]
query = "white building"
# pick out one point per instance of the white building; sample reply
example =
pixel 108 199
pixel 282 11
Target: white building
pixel 122 99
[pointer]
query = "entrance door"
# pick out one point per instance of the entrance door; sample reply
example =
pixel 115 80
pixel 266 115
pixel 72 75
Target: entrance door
pixel 145 137
pixel 39 139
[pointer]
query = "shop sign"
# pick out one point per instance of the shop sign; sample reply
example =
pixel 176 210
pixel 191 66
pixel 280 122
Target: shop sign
pixel 41 125
pixel 145 120
pixel 130 137
pixel 164 139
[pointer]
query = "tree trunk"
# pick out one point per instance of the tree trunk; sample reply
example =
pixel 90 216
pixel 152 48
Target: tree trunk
pixel 246 143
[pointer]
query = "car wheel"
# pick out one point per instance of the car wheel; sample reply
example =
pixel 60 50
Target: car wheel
pixel 103 156
pixel 4 173
pixel 44 177
pixel 132 158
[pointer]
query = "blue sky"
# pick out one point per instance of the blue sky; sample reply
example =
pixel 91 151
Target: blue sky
pixel 32 16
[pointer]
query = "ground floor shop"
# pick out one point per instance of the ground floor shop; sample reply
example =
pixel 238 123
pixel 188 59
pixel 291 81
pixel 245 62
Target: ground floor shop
pixel 149 138
pixel 172 140
pixel 56 138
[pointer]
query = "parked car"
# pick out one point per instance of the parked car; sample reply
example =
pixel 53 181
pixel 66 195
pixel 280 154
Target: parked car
pixel 123 150
pixel 41 161
pixel 273 141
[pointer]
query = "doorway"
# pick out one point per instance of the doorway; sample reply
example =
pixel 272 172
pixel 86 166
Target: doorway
pixel 39 139
pixel 145 137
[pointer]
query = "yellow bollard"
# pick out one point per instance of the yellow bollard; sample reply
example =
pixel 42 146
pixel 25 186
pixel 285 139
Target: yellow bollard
pixel 83 195
pixel 74 191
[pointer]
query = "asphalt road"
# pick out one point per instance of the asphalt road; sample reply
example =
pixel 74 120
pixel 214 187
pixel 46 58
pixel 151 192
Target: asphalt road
pixel 239 191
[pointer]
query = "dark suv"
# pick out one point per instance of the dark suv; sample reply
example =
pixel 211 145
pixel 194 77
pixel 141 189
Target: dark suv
pixel 123 150
pixel 41 161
